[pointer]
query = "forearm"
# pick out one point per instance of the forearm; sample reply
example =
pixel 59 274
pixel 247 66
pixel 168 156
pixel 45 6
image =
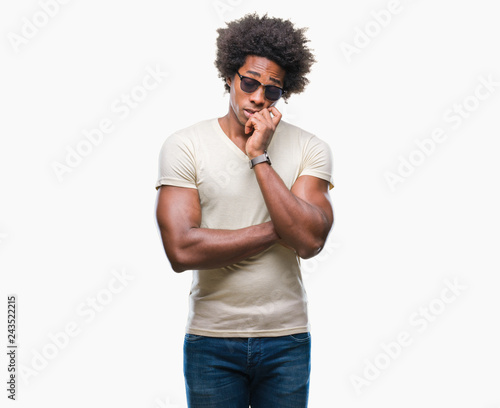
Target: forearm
pixel 299 224
pixel 203 248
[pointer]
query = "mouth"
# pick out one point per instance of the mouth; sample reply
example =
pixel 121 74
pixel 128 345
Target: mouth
pixel 249 112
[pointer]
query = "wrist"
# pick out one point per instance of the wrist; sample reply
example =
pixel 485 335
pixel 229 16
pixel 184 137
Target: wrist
pixel 252 154
pixel 262 158
pixel 272 233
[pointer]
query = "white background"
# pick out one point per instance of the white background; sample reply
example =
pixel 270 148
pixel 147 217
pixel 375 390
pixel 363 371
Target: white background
pixel 389 253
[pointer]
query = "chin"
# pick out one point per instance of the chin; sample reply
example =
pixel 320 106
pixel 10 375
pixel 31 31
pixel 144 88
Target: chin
pixel 242 119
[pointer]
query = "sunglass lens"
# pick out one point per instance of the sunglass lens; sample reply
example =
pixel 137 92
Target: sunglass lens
pixel 249 85
pixel 273 93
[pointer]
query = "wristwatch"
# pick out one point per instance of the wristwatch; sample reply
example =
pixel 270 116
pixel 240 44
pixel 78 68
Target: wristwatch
pixel 260 159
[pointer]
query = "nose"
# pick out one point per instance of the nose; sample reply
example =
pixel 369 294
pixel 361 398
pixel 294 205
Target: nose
pixel 258 97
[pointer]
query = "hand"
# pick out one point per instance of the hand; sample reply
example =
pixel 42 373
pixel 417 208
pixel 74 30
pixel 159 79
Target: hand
pixel 263 126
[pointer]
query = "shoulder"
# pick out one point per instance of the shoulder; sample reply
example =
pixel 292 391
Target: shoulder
pixel 190 132
pixel 288 132
pixel 188 137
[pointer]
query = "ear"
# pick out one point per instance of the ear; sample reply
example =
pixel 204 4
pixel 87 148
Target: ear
pixel 228 81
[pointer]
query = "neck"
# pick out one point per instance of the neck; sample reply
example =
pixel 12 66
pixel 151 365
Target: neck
pixel 233 128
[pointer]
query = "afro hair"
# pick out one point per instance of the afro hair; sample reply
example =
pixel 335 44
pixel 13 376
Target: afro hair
pixel 272 38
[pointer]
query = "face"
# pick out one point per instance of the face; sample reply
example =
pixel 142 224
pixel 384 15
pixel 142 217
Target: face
pixel 242 104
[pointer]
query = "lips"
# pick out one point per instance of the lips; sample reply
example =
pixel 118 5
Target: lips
pixel 249 112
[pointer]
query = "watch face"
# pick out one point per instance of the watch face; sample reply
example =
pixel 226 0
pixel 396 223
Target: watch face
pixel 267 157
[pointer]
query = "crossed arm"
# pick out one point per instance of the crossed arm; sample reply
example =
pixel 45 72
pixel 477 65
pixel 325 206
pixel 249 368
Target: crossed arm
pixel 301 218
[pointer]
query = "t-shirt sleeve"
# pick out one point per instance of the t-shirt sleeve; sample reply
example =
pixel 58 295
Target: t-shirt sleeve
pixel 317 160
pixel 176 163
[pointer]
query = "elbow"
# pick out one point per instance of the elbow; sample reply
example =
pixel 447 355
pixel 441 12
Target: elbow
pixel 177 254
pixel 176 266
pixel 179 260
pixel 306 253
pixel 311 249
pixel 314 243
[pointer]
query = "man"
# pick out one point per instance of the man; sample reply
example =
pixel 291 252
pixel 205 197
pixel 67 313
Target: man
pixel 241 198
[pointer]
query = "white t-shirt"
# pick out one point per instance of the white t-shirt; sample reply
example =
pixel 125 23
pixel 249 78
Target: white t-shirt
pixel 262 295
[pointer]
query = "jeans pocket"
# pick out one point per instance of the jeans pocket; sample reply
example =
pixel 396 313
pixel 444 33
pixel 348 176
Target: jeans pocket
pixel 192 337
pixel 301 337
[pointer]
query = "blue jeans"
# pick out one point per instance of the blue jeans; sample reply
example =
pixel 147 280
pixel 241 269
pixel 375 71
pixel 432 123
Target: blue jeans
pixel 236 372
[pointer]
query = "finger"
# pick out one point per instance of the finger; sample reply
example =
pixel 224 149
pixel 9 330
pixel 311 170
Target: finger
pixel 256 121
pixel 248 126
pixel 277 115
pixel 251 124
pixel 266 115
pixel 258 115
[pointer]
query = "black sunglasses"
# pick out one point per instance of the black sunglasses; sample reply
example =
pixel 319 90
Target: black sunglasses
pixel 250 85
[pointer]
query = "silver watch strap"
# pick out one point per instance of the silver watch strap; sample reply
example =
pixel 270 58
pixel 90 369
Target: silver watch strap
pixel 260 159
